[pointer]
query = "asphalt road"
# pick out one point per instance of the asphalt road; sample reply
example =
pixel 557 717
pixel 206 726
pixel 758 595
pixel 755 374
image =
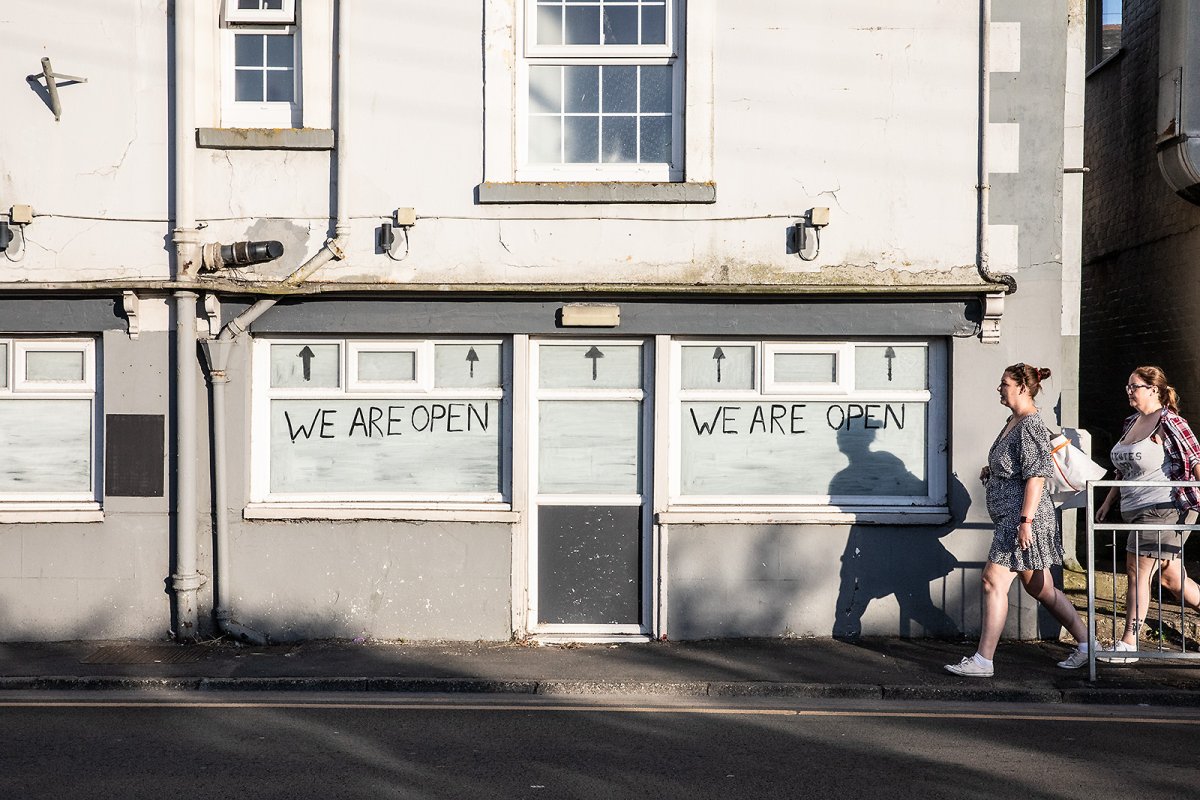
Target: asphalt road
pixel 299 746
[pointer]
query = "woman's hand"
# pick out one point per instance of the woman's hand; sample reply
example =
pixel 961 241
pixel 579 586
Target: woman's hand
pixel 1025 535
pixel 1102 511
pixel 984 474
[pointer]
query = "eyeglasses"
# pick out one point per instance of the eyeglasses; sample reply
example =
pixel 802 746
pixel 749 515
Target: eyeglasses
pixel 1133 387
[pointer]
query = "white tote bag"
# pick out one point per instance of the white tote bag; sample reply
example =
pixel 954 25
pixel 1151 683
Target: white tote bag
pixel 1072 470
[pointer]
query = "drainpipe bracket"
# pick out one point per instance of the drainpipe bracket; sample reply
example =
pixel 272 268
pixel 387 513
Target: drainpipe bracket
pixel 188 583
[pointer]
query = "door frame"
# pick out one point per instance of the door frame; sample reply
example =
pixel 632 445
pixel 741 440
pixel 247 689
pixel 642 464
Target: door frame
pixel 530 499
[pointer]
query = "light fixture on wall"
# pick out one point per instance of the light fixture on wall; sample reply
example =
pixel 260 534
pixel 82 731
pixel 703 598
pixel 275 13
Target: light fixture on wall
pixel 814 219
pixel 402 218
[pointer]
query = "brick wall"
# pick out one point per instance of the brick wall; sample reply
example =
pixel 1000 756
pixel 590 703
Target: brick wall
pixel 1141 242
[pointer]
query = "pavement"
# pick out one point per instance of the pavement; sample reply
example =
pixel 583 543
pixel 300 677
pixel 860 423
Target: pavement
pixel 864 669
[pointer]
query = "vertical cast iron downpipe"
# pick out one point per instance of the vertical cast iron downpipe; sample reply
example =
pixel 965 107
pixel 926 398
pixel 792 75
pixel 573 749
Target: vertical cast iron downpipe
pixel 982 251
pixel 186 579
pixel 218 351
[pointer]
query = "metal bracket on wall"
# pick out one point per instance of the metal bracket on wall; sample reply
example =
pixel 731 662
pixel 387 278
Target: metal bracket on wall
pixel 129 302
pixel 993 310
pixel 52 79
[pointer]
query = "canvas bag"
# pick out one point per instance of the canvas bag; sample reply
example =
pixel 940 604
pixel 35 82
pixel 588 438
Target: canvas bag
pixel 1072 470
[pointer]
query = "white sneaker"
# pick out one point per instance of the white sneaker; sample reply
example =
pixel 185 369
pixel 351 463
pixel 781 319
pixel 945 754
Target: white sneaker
pixel 969 668
pixel 1119 647
pixel 1074 661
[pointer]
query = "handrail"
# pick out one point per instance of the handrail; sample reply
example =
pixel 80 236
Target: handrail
pixel 1092 527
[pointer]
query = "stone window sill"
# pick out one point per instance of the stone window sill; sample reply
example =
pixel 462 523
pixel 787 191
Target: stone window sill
pixel 597 192
pixel 265 138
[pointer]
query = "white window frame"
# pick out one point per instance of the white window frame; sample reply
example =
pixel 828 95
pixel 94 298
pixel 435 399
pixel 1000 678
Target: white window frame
pixel 18 507
pixel 279 505
pixel 934 397
pixel 530 54
pixel 843 364
pixel 264 113
pixel 422 360
pixel 286 15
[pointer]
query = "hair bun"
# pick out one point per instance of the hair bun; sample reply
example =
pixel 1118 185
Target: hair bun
pixel 1043 373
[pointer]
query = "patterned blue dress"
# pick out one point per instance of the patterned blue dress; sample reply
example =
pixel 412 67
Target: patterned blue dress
pixel 1014 458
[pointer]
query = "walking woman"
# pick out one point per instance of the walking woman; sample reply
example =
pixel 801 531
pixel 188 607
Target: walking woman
pixel 1027 541
pixel 1156 445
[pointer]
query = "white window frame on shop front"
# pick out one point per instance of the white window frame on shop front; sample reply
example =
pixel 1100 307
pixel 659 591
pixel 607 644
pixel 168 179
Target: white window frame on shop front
pixel 539 60
pixel 396 396
pixel 19 386
pixel 765 388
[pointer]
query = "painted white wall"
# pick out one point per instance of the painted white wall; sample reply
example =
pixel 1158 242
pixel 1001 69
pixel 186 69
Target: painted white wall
pixel 867 108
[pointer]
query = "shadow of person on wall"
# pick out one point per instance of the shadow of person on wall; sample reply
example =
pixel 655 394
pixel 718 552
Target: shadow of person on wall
pixel 881 561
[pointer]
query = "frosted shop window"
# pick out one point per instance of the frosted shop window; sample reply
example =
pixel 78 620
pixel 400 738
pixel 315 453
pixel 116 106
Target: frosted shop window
pixel 778 423
pixel 381 420
pixel 48 414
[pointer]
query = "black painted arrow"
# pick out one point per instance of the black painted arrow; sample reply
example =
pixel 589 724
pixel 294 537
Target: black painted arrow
pixel 595 355
pixel 719 355
pixel 307 356
pixel 472 357
pixel 889 354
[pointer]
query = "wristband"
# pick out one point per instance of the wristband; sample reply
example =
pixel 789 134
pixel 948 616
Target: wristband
pixel 1025 519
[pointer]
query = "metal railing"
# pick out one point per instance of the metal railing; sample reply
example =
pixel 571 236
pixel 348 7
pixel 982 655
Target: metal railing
pixel 1114 528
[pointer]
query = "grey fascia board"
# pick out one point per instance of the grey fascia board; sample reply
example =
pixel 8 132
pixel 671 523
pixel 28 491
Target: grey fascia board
pixel 265 138
pixel 598 192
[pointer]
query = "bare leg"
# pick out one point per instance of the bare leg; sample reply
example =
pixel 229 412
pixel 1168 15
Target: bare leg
pixel 996 581
pixel 1040 586
pixel 1173 580
pixel 1139 570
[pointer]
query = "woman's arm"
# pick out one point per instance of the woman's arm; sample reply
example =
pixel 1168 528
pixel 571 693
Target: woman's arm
pixel 1033 496
pixel 1109 499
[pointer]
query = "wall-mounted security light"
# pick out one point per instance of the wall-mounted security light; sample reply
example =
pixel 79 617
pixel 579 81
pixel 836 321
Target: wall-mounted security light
pixel 402 218
pixel 239 254
pixel 808 245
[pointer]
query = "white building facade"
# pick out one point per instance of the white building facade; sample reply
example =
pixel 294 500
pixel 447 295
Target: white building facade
pixel 576 319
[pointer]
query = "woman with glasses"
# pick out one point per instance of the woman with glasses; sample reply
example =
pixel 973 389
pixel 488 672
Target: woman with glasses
pixel 1156 445
pixel 1027 541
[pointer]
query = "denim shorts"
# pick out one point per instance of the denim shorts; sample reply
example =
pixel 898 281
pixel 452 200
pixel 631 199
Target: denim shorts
pixel 1162 544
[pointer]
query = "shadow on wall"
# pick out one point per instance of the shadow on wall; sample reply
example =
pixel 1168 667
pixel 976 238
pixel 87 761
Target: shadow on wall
pixel 882 561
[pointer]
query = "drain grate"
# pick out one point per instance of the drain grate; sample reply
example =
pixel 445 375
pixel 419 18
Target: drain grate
pixel 147 654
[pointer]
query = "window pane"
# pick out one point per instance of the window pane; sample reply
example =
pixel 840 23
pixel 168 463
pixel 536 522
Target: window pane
pixel 582 140
pixel 47 446
pixel 306 366
pixel 545 90
pixel 274 5
pixel 465 366
pixel 53 366
pixel 397 446
pixel 620 89
pixel 582 90
pixel 583 25
pixel 280 51
pixel 545 140
pixel 619 139
pixel 805 368
pixel 248 85
pixel 890 368
pixel 713 367
pixel 549 25
pixel 249 4
pixel 3 366
pixel 248 50
pixel 588 447
pixel 375 367
pixel 804 448
pixel 656 90
pixel 620 25
pixel 584 366
pixel 654 25
pixel 280 86
pixel 656 140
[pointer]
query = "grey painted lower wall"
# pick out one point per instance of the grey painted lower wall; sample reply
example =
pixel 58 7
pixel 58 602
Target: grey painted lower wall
pixel 386 580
